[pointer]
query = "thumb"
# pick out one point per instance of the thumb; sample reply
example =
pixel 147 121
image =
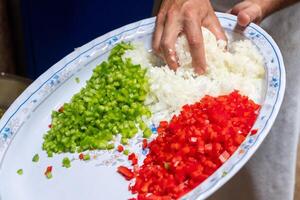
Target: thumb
pixel 247 13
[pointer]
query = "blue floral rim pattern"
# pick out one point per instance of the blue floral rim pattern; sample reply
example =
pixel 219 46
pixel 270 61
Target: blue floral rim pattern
pixel 24 106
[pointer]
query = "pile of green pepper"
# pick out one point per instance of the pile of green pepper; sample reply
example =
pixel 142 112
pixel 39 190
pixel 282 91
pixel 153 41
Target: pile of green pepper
pixel 111 103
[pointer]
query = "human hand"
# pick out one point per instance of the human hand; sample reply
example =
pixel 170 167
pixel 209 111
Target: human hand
pixel 252 11
pixel 185 16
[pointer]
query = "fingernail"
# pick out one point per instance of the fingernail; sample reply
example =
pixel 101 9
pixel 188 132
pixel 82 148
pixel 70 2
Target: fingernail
pixel 173 58
pixel 171 51
pixel 199 70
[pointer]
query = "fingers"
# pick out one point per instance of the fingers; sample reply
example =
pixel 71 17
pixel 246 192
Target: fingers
pixel 186 17
pixel 244 19
pixel 212 23
pixel 239 7
pixel 169 36
pixel 248 15
pixel 159 28
pixel 195 39
pixel 247 12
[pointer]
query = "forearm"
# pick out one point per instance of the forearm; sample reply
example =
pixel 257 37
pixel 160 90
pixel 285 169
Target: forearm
pixel 271 6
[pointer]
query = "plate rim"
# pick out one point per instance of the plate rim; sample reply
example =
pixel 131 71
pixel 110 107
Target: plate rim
pixel 56 68
pixel 261 134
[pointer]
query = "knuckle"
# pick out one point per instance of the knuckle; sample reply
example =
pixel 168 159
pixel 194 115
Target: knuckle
pixel 188 15
pixel 171 13
pixel 194 41
pixel 165 45
pixel 160 17
pixel 186 6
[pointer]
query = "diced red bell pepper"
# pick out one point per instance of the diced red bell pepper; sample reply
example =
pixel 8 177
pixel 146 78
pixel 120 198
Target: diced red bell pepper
pixel 145 144
pixel 133 158
pixel 192 146
pixel 224 156
pixel 125 172
pixel 48 170
pixel 120 148
pixel 254 131
pixel 163 124
pixel 81 156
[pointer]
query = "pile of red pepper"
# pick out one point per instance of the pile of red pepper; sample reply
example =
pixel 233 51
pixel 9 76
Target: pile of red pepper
pixel 192 146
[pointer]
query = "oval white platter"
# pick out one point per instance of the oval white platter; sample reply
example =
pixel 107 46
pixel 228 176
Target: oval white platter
pixel 23 125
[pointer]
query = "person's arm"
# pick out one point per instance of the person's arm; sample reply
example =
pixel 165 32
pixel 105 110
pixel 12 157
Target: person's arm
pixel 256 10
pixel 185 16
pixel 188 16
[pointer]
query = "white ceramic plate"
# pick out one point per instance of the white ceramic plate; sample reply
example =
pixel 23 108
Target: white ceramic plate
pixel 25 122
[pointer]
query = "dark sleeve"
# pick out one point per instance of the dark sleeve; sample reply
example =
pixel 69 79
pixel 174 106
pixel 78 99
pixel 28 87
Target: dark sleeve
pixel 156 7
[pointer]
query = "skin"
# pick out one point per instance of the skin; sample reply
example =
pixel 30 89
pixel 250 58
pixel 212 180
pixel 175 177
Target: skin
pixel 188 16
pixel 185 16
pixel 256 10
